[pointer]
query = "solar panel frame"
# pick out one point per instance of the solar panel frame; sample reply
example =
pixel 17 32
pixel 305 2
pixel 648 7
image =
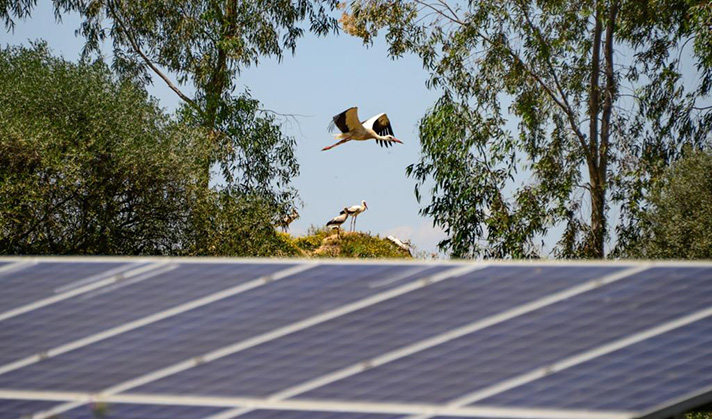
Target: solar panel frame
pixel 74 400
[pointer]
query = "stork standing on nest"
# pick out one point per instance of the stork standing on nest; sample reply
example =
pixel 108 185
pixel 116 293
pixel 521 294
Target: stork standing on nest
pixel 338 220
pixel 354 211
pixel 375 128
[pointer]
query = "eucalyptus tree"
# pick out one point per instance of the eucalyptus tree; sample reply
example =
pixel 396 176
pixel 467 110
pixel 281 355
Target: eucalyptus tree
pixel 549 110
pixel 197 48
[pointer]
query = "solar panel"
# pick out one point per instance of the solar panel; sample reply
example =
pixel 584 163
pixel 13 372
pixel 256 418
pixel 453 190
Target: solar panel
pixel 210 327
pixel 517 346
pixel 14 409
pixel 117 303
pixel 379 329
pixel 124 411
pixel 28 282
pixel 627 379
pixel 260 339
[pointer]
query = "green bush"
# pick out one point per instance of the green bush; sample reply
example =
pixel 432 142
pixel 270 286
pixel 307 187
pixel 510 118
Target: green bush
pixel 89 164
pixel 313 240
pixel 678 224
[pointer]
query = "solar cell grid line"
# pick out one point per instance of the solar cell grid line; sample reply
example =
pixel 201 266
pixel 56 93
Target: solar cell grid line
pixel 488 396
pixel 364 301
pixel 123 328
pixel 36 285
pixel 521 344
pixel 37 331
pixel 440 338
pixel 12 265
pixel 666 368
pixel 392 408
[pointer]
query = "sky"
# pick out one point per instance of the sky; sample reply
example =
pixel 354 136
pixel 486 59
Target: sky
pixel 325 77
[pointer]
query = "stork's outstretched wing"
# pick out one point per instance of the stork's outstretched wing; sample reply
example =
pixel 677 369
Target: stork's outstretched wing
pixel 345 121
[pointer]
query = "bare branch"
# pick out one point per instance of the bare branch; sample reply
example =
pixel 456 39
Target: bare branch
pixel 453 19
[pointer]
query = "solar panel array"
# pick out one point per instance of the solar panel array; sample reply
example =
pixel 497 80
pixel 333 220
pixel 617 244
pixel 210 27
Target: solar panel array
pixel 263 339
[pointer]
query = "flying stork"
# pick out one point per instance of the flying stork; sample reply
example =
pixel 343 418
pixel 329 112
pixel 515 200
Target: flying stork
pixel 338 220
pixel 377 128
pixel 354 211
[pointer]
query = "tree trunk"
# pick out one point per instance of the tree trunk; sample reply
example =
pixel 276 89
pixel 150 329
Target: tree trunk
pixel 594 245
pixel 610 92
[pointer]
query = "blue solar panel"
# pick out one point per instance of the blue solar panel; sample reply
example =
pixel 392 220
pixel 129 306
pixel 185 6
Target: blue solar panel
pixel 14 409
pixel 663 368
pixel 207 328
pixel 110 306
pixel 372 331
pixel 512 337
pixel 486 357
pixel 36 281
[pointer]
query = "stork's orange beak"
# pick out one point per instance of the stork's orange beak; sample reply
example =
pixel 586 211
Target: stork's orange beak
pixel 397 141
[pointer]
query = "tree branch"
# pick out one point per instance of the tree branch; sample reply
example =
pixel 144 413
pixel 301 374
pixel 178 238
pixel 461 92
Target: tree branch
pixel 137 49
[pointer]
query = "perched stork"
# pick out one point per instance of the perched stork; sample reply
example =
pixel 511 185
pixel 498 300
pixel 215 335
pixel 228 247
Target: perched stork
pixel 338 220
pixel 288 219
pixel 405 245
pixel 376 128
pixel 354 211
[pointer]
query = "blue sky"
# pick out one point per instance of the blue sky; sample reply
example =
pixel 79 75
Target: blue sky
pixel 324 77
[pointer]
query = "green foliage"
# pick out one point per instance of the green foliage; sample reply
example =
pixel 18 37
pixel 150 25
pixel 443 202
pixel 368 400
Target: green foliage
pixel 89 164
pixel 228 224
pixel 313 240
pixel 558 69
pixel 358 245
pixel 362 245
pixel 206 44
pixel 253 155
pixel 678 224
pixel 326 243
